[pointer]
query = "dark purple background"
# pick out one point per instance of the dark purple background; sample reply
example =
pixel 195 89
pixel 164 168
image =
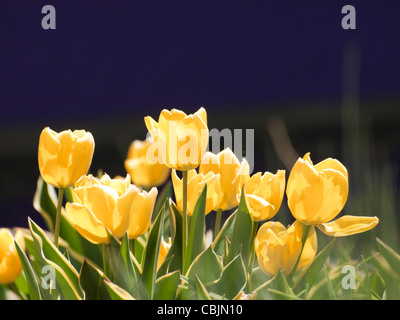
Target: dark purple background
pixel 113 60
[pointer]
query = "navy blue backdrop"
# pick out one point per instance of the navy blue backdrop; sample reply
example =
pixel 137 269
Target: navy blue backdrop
pixel 113 60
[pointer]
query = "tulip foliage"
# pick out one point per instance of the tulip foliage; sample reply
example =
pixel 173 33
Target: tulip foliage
pixel 143 237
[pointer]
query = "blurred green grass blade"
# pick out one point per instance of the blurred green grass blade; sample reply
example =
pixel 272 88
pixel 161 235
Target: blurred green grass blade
pixel 31 279
pixel 390 255
pixel 196 229
pixel 166 286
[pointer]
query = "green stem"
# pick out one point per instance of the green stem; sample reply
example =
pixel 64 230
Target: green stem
pixel 58 216
pixel 217 222
pixel 252 252
pixel 184 218
pixel 306 231
pixel 106 265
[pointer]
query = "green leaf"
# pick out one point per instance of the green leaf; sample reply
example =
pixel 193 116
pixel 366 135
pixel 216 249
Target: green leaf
pixel 241 236
pixel 66 276
pixel 45 202
pixel 232 280
pixel 219 244
pixel 116 292
pixel 202 293
pixel 167 285
pixel 31 278
pixel 175 251
pixel 309 275
pixel 91 281
pixel 207 267
pixel 196 230
pixel 127 268
pixel 151 253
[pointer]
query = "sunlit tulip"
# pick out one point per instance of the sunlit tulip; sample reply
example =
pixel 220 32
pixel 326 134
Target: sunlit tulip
pixel 141 212
pixel 181 140
pixel 143 172
pixel 278 248
pixel 263 194
pixel 196 183
pixel 317 194
pixel 10 265
pixel 99 204
pixel 64 157
pixel 233 175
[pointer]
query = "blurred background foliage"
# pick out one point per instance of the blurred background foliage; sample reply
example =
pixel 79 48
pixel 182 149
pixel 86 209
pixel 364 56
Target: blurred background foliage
pixel 287 70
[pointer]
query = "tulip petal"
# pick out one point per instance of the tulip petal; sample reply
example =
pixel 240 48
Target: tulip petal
pixel 348 225
pixel 86 223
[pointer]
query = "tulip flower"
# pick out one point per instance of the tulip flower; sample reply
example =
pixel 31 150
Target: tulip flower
pixel 10 265
pixel 181 139
pixel 264 194
pixel 101 204
pixel 64 157
pixel 278 248
pixel 141 211
pixel 196 183
pixel 143 172
pixel 317 194
pixel 233 175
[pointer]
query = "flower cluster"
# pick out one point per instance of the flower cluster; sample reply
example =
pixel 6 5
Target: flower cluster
pixel 145 239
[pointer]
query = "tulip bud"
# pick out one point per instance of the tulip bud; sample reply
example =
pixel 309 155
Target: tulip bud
pixel 233 175
pixel 101 204
pixel 181 139
pixel 64 157
pixel 278 248
pixel 10 265
pixel 143 172
pixel 196 183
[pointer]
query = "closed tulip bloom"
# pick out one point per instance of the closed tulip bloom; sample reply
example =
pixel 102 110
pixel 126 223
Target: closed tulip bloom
pixel 317 194
pixel 64 157
pixel 143 172
pixel 181 139
pixel 141 212
pixel 196 183
pixel 264 194
pixel 232 172
pixel 10 265
pixel 278 248
pixel 101 204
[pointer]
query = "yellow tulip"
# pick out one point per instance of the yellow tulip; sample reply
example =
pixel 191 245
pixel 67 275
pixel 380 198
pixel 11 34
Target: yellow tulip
pixel 317 194
pixel 181 140
pixel 64 157
pixel 233 175
pixel 264 194
pixel 164 248
pixel 10 265
pixel 141 212
pixel 101 204
pixel 278 248
pixel 196 183
pixel 143 172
